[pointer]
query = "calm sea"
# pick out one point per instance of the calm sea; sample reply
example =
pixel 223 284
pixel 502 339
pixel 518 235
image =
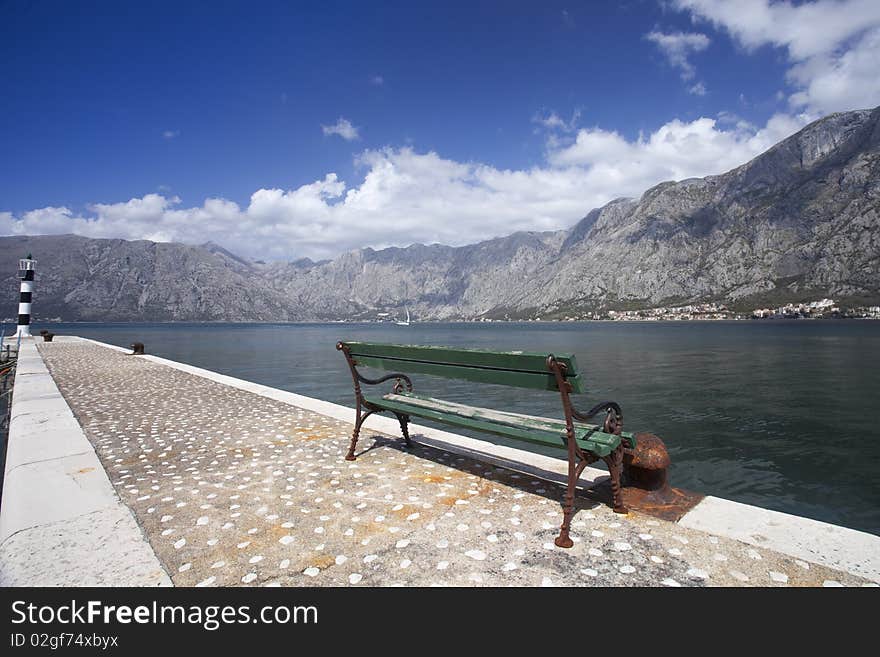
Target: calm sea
pixel 782 414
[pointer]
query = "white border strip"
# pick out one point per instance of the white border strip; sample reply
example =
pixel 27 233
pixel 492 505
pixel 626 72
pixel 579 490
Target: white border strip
pixel 840 548
pixel 61 522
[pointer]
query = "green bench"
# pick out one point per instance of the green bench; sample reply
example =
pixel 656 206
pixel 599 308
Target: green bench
pixel 584 442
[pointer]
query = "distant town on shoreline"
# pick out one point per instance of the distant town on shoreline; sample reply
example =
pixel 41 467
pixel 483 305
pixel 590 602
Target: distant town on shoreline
pixel 821 309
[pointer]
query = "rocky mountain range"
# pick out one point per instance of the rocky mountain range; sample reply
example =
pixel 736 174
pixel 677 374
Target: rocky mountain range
pixel 800 221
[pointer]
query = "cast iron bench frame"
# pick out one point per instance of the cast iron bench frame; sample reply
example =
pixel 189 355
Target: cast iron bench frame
pixel 585 443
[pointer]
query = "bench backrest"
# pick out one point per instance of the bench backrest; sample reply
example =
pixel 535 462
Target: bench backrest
pixel 509 368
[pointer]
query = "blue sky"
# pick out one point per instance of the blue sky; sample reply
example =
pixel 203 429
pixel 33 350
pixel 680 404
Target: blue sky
pixel 284 130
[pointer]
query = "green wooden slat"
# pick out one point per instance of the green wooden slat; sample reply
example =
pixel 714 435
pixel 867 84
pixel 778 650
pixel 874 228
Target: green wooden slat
pixel 499 377
pixel 519 369
pixel 523 433
pixel 520 360
pixel 511 419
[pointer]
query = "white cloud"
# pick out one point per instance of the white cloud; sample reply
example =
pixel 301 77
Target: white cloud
pixel 730 118
pixel 553 121
pixel 377 80
pixel 343 128
pixel 406 196
pixel 832 45
pixel 675 151
pixel 840 81
pixel 698 89
pixel 170 134
pixel 677 47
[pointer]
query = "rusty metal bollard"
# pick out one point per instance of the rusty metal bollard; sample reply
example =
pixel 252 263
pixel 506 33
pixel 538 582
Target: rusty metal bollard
pixel 647 465
pixel 137 349
pixel 646 486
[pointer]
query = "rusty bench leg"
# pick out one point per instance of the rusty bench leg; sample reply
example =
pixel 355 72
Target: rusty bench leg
pixel 564 540
pixel 615 467
pixel 354 434
pixel 404 427
pixel 354 438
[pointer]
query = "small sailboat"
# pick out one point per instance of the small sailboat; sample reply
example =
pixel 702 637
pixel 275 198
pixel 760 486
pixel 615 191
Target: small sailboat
pixel 406 323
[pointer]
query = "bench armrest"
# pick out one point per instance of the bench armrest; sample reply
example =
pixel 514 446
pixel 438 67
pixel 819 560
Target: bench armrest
pixel 387 377
pixel 360 378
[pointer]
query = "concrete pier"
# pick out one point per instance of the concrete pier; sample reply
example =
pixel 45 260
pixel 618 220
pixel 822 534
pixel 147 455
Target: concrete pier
pixel 134 470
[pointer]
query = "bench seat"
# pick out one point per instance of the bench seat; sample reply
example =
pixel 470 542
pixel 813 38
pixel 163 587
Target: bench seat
pixel 530 428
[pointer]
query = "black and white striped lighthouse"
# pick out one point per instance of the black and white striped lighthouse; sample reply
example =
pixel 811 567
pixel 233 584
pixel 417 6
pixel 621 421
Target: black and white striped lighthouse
pixel 26 268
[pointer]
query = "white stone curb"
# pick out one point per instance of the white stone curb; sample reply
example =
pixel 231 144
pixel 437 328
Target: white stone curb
pixel 61 522
pixel 841 548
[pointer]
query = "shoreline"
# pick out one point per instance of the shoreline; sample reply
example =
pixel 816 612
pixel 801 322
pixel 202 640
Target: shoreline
pixel 748 320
